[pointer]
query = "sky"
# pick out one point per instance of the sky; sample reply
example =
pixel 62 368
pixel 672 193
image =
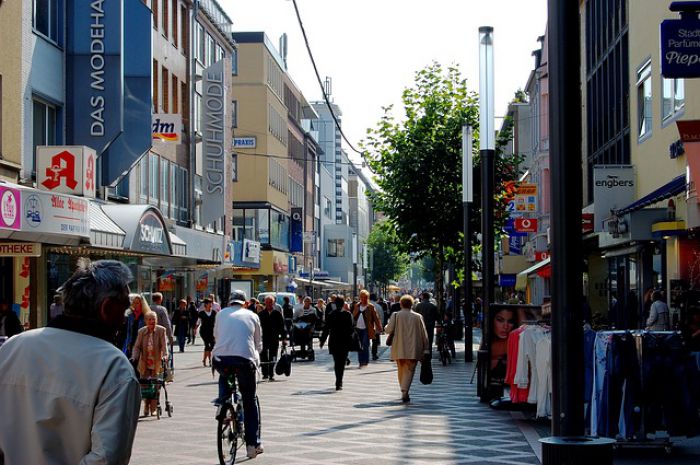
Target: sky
pixel 372 48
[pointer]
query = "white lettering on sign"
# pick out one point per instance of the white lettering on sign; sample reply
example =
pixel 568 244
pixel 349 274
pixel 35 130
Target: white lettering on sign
pixel 97 65
pixel 214 132
pixel 151 234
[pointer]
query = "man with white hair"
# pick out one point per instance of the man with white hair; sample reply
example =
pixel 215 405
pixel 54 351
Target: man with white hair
pixel 66 386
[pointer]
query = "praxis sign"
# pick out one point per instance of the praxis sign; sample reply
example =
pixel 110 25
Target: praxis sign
pixel 680 42
pixel 213 126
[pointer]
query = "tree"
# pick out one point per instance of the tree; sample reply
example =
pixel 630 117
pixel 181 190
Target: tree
pixel 418 163
pixel 389 262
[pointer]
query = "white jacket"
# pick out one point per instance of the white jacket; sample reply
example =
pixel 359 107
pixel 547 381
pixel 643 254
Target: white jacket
pixel 65 398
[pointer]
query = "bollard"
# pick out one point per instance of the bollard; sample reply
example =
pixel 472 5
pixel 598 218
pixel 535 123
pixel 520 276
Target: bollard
pixel 577 450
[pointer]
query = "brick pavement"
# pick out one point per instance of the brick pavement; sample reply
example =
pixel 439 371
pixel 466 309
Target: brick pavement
pixel 305 421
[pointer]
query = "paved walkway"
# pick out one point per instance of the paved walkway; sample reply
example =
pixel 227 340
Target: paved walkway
pixel 306 422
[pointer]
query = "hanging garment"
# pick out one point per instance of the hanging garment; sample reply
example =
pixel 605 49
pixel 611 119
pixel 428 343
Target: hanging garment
pixel 543 363
pixel 517 394
pixel 526 371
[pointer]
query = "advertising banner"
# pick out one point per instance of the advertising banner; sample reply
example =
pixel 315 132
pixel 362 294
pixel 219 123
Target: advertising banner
pixel 527 225
pixel 214 153
pixel 613 189
pixel 297 236
pixel 45 212
pixel 523 197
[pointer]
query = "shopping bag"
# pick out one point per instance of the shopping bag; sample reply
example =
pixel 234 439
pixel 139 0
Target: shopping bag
pixel 284 364
pixel 355 342
pixel 426 371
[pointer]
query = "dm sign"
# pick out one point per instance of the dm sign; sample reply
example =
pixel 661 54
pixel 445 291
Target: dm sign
pixel 680 48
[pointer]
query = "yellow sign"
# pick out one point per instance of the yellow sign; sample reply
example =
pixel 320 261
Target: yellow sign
pixel 20 249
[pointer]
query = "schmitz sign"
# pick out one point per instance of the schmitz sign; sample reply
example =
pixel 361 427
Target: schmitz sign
pixel 66 170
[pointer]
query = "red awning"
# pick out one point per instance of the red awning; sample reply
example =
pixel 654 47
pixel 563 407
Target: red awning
pixel 545 272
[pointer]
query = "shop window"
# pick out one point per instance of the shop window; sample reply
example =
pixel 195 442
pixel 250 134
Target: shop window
pixel 673 98
pixel 45 19
pixel 44 128
pixel 279 230
pixel 644 101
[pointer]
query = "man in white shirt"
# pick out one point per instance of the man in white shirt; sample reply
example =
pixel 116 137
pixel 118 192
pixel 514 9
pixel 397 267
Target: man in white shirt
pixel 238 339
pixel 67 394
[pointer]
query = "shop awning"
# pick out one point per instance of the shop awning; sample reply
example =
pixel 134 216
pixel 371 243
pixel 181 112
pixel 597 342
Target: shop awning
pixel 521 280
pixel 103 231
pixel 306 282
pixel 179 246
pixel 668 190
pixel 336 284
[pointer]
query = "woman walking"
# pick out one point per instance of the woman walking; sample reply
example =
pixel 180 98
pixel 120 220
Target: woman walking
pixel 150 350
pixel 339 325
pixel 207 318
pixel 409 344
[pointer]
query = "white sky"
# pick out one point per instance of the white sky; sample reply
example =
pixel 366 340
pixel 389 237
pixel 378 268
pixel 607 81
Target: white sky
pixel 372 48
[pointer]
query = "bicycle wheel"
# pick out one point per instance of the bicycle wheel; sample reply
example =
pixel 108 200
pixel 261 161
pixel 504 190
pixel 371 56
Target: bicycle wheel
pixel 229 435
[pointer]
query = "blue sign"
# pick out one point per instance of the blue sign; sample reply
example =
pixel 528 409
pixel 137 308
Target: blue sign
pixel 506 280
pixel 509 229
pixel 515 246
pixel 94 72
pixel 297 239
pixel 136 138
pixel 680 48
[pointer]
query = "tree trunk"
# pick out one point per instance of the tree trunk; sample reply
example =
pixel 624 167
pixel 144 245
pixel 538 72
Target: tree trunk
pixel 440 280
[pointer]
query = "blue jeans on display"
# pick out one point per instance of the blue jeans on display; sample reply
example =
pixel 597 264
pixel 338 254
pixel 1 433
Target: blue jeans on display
pixel 598 402
pixel 363 355
pixel 245 380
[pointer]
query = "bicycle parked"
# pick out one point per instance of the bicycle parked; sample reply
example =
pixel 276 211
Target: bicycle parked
pixel 230 428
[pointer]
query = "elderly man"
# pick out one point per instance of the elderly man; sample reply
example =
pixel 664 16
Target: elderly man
pixel 367 323
pixel 272 323
pixel 162 314
pixel 80 403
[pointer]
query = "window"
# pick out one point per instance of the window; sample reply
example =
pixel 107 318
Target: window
pixel 234 62
pixel 176 99
pixel 153 178
pixel 45 18
pixel 44 127
pixel 166 91
pixel 164 21
pixel 336 248
pixel 143 184
pixel 165 187
pixel 184 45
pixel 644 100
pixel 211 50
pixel 155 86
pixel 197 111
pixel 200 43
pixel 279 230
pixel 673 97
pixel 154 10
pixel 234 114
pixel 184 92
pixel 175 36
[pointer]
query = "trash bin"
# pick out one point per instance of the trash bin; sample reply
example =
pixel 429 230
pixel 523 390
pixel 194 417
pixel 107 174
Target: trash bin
pixel 577 450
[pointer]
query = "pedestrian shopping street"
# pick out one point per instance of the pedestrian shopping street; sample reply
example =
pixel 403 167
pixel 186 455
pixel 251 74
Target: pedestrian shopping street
pixel 306 422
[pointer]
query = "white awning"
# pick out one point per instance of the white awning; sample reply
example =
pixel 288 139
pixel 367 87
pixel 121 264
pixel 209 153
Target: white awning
pixel 306 282
pixel 521 280
pixel 103 231
pixel 337 284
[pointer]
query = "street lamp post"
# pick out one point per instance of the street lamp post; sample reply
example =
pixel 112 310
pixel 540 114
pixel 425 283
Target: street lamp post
pixel 467 199
pixel 487 152
pixel 354 265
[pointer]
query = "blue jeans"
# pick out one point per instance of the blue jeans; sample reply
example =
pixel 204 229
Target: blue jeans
pixel 363 355
pixel 245 377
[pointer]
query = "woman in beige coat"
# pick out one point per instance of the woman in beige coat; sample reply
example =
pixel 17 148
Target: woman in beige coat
pixel 410 342
pixel 150 350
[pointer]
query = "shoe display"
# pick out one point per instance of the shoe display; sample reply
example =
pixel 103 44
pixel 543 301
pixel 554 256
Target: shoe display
pixel 251 452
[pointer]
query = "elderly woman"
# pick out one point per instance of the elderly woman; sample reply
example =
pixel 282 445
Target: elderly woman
pixel 410 343
pixel 133 321
pixel 149 351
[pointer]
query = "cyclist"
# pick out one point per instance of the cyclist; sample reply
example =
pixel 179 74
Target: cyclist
pixel 238 342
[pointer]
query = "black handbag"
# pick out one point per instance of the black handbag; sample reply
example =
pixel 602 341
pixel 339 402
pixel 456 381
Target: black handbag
pixel 426 371
pixel 355 341
pixel 284 364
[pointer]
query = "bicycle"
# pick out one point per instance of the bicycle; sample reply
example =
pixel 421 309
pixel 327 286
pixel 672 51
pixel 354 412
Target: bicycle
pixel 230 428
pixel 443 345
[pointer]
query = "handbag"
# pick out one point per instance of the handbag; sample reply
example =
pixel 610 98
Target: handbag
pixel 355 341
pixel 426 371
pixel 284 364
pixel 390 338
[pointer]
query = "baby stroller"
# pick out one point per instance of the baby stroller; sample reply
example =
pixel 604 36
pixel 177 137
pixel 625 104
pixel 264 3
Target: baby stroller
pixel 302 337
pixel 151 387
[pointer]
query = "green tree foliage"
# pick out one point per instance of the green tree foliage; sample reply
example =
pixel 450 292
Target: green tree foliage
pixel 389 262
pixel 418 163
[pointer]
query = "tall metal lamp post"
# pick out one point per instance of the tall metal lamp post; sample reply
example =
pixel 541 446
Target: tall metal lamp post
pixel 487 152
pixel 467 199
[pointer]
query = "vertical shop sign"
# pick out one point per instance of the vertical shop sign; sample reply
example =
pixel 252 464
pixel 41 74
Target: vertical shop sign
pixel 297 239
pixel 214 151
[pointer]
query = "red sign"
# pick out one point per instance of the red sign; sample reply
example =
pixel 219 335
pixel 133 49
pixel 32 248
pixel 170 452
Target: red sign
pixel 689 130
pixel 539 256
pixel 586 223
pixel 525 225
pixel 66 169
pixel 61 171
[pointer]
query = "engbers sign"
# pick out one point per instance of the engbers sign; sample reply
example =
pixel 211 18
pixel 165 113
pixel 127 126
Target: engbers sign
pixel 214 151
pixel 613 189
